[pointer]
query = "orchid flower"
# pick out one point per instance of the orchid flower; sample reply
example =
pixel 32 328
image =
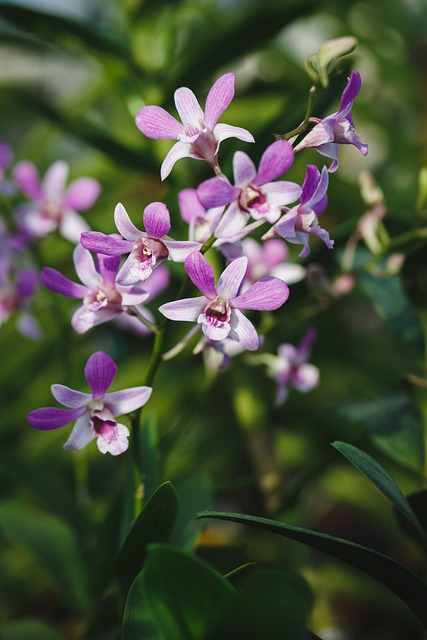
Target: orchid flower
pixel 6 156
pixel 301 221
pixel 338 128
pixel 53 206
pixel 202 222
pixel 199 135
pixel 219 309
pixel 253 194
pixel 147 248
pixel 93 412
pixel 103 299
pixel 269 259
pixel 14 297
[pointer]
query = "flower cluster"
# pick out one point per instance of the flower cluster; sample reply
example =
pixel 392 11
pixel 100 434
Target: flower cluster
pixel 120 272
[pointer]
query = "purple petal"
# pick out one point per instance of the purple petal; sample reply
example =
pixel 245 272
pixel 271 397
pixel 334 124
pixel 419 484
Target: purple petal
pixel 48 418
pixel 158 281
pixel 306 343
pixel 216 192
pixel 132 295
pixel 124 224
pixel 274 252
pixel 100 371
pixel 244 170
pixel 113 440
pixel 243 331
pixel 111 245
pixel 218 98
pixel 26 282
pixel 54 180
pixel 84 319
pixel 178 151
pixel 310 183
pixel 275 161
pixel 155 122
pixel 224 131
pixel 201 274
pixel 286 225
pixel 281 192
pixel 121 402
pixel 69 397
pixel 267 294
pixel 156 220
pixel 190 205
pixel 187 309
pixel 351 90
pixel 180 249
pixel 55 281
pixel 330 150
pixel 108 267
pixel 232 222
pixel 26 176
pixel 231 278
pixel 72 225
pixel 81 435
pixel 85 266
pixel 188 107
pixel 318 201
pixel 82 193
pixel 321 133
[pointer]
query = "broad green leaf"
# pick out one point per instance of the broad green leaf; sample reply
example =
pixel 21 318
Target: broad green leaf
pixel 52 546
pixel 390 573
pixel 381 479
pixel 137 624
pixel 194 495
pixel 154 524
pixel 273 604
pixel 184 595
pixel 31 629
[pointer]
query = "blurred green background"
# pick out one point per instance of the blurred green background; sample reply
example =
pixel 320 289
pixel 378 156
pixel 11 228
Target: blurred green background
pixel 72 78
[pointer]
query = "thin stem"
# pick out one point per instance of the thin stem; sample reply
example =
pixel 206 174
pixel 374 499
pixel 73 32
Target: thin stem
pixel 302 128
pixel 134 311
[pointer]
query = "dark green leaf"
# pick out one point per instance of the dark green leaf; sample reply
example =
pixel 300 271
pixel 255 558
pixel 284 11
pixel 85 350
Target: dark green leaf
pixel 52 545
pixel 31 629
pixel 137 623
pixel 148 457
pixel 414 277
pixel 194 495
pixel 183 594
pixel 390 573
pixel 154 524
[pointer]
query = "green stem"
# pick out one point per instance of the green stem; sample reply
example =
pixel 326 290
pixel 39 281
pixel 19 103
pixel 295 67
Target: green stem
pixel 302 128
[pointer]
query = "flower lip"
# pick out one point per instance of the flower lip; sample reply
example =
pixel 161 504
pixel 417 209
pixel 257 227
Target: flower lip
pixel 218 309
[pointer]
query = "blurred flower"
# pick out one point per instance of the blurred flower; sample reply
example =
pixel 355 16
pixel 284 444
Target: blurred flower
pixel 338 128
pixel 94 412
pixel 202 222
pixel 103 299
pixel 218 311
pixel 15 296
pixel 6 156
pixel 54 206
pixel 253 194
pixel 301 221
pixel 269 259
pixel 147 248
pixel 199 135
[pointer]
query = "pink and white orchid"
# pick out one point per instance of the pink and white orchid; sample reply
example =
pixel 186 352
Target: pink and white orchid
pixel 93 412
pixel 147 248
pixel 219 310
pixel 198 135
pixel 53 206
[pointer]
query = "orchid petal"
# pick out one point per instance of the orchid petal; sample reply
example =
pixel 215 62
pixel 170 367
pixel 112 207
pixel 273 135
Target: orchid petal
pixel 190 205
pixel 282 192
pixel 218 98
pixel 212 331
pixel 114 440
pixel 155 122
pixel 243 331
pixel 224 131
pixel 127 400
pixel 351 90
pixel 267 294
pixel 201 274
pixel 26 176
pixel 158 281
pixel 188 107
pixel 84 319
pixel 48 418
pixel 231 278
pixel 69 397
pixel 55 281
pixel 275 161
pixel 72 225
pixel 82 193
pixel 178 151
pixel 306 377
pixel 132 295
pixel 85 266
pixel 54 180
pixel 111 245
pixel 81 435
pixel 156 220
pixel 244 170
pixel 274 252
pixel 187 309
pixel 232 222
pixel 180 249
pixel 100 371
pixel 216 192
pixel 310 183
pixel 124 224
pixel 108 267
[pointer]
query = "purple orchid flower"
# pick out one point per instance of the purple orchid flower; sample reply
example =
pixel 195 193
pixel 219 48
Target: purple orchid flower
pixel 199 135
pixel 219 309
pixel 253 194
pixel 290 368
pixel 269 259
pixel 15 297
pixel 103 299
pixel 202 222
pixel 301 221
pixel 147 248
pixel 53 205
pixel 6 156
pixel 338 128
pixel 94 412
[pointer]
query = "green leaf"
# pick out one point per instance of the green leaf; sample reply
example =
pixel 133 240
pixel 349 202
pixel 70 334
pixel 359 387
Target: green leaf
pixel 52 545
pixel 418 502
pixel 390 573
pixel 154 524
pixel 137 624
pixel 273 604
pixel 31 629
pixel 194 495
pixel 381 479
pixel 148 457
pixel 184 595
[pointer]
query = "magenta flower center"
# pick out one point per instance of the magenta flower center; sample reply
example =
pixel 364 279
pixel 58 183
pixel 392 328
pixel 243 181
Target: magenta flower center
pixel 102 421
pixel 51 210
pixel 252 198
pixel 104 295
pixel 149 251
pixel 218 310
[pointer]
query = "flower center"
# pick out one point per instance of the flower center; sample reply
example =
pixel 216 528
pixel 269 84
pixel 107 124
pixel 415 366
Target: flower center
pixel 218 310
pixel 102 296
pixel 51 210
pixel 252 198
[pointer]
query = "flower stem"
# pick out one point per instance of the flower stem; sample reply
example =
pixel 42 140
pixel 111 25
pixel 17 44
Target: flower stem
pixel 302 128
